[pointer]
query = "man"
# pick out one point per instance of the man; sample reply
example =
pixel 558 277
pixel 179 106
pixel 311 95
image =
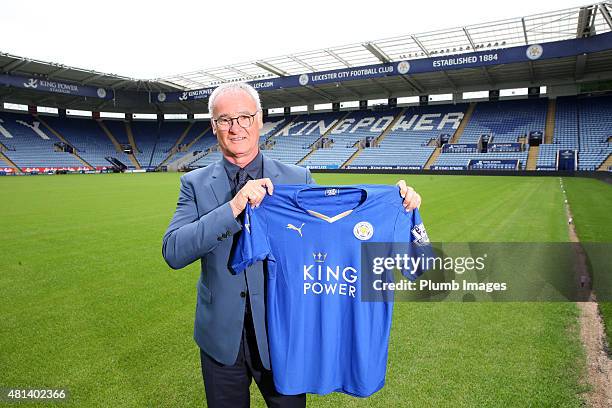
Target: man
pixel 230 326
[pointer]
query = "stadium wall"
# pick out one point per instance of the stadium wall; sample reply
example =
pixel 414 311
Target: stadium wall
pixel 600 175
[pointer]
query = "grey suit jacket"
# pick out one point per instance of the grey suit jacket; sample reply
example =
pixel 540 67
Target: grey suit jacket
pixel 202 228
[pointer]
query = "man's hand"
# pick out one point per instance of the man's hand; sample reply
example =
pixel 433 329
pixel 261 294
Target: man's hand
pixel 412 199
pixel 253 192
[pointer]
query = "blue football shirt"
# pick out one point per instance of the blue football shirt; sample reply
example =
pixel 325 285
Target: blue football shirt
pixel 322 337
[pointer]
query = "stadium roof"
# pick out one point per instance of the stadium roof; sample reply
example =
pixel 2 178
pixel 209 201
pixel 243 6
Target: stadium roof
pixel 546 27
pixel 132 95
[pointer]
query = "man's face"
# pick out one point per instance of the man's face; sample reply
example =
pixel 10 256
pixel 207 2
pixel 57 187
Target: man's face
pixel 237 142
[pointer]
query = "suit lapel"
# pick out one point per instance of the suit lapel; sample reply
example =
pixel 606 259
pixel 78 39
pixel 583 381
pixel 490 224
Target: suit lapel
pixel 271 170
pixel 220 184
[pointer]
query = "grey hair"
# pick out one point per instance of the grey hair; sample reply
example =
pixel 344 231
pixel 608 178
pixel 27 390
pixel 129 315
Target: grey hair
pixel 233 87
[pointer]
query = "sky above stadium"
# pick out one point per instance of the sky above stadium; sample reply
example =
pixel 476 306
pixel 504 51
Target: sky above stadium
pixel 132 38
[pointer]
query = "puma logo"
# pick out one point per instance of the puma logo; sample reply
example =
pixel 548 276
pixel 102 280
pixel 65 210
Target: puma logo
pixel 293 227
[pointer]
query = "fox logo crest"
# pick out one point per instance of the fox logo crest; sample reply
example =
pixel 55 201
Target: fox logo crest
pixel 32 83
pixel 293 227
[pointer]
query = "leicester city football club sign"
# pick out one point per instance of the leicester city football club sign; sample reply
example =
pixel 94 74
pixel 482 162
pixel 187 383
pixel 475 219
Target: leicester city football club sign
pixel 524 53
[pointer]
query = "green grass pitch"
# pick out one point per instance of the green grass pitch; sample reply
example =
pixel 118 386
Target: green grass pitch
pixel 88 303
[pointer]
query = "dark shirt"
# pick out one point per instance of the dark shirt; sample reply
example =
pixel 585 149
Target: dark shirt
pixel 254 169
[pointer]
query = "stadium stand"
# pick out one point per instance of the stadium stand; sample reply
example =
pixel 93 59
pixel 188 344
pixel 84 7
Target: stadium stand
pixel 348 134
pixel 594 131
pixel 506 121
pixel 88 138
pixel 154 140
pixel 503 122
pixel 117 128
pixel 409 141
pixel 32 144
pixel 582 124
pixel 401 138
pixel 294 140
pixel 462 159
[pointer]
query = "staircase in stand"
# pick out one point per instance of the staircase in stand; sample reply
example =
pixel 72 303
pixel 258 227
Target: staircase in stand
pixel 532 157
pixel 463 124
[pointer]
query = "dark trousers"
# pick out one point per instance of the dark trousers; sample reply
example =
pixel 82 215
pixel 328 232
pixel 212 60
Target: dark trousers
pixel 228 385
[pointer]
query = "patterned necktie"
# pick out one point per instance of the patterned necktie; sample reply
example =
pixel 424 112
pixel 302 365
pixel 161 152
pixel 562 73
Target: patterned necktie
pixel 241 179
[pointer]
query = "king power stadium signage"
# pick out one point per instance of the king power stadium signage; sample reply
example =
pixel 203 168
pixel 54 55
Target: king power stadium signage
pixel 556 49
pixel 47 85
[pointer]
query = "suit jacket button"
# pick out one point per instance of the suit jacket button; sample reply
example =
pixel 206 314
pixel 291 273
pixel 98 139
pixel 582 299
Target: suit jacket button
pixel 243 294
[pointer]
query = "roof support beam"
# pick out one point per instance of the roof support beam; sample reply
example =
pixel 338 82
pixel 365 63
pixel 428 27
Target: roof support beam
pixel 11 66
pixel 70 101
pixel 413 83
pixel 449 80
pixel 58 71
pixel 117 84
pixel 154 85
pixel 469 37
pixel 288 92
pixel 302 63
pixel 605 13
pixel 171 85
pixel 531 72
pixel 239 72
pixel 420 45
pixel 271 68
pixel 186 107
pixel 320 92
pixel 384 88
pixel 524 30
pixel 349 90
pixel 581 61
pixel 41 102
pixel 485 71
pixel 336 56
pixel 213 76
pixel 267 97
pixel 91 78
pixel 592 23
pixel 99 107
pixel 377 52
pixel 191 81
pixel 586 21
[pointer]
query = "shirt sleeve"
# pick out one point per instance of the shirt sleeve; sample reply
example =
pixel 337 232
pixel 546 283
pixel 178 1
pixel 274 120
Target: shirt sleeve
pixel 253 244
pixel 412 239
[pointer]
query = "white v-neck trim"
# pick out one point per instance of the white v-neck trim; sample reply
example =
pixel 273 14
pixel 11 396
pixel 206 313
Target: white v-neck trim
pixel 327 218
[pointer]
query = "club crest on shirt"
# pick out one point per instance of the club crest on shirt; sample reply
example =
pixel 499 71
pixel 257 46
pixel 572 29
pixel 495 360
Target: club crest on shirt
pixel 363 230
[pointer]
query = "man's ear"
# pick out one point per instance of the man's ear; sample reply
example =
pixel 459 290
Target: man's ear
pixel 259 120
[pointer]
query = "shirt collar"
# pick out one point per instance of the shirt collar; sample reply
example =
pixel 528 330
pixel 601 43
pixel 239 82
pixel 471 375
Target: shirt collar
pixel 253 169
